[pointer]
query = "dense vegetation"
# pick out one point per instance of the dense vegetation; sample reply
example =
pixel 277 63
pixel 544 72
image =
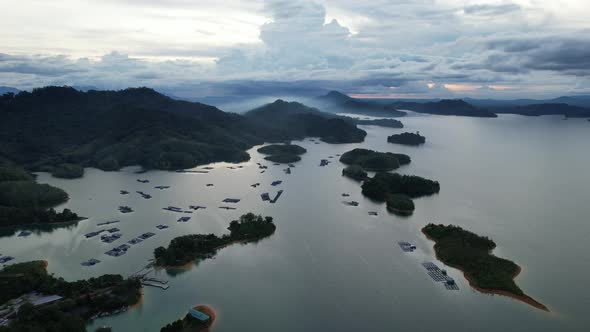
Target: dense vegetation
pixel 355 172
pixel 373 160
pixel 399 203
pixel 294 120
pixel 398 190
pixel 407 139
pixel 383 184
pixel 25 202
pixel 472 254
pixel 67 171
pixel 81 299
pixel 282 153
pixel 56 126
pixel 389 123
pixel 187 248
pixel 282 149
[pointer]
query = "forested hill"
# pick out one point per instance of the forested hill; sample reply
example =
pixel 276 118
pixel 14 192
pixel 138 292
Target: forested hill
pixel 53 126
pixel 293 119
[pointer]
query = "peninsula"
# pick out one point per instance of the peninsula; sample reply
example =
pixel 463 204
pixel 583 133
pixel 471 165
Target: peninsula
pixel 471 254
pixel 187 248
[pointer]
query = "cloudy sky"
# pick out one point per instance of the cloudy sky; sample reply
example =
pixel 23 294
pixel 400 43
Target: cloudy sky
pixel 378 48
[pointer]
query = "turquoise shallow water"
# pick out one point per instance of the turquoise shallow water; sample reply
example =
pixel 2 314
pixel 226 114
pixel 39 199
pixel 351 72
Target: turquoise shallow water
pixel 330 267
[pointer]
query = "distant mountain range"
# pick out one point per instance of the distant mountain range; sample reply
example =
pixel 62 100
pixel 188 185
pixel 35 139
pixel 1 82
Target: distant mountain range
pixel 7 89
pixel 573 106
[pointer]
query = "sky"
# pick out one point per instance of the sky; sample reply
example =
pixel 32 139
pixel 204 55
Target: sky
pixel 376 49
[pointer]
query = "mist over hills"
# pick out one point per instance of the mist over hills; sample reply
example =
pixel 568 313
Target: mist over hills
pixel 52 126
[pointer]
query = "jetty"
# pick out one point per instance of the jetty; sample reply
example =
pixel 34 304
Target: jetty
pixel 154 284
pixel 107 222
pixel 172 208
pixel 144 195
pixel 277 196
pixel 231 200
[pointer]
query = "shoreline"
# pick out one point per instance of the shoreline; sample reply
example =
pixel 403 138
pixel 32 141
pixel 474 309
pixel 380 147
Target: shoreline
pixel 40 225
pixel 523 298
pixel 186 266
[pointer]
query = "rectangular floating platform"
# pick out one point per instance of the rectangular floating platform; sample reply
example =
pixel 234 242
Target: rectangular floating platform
pixel 276 183
pixel 440 276
pixel 107 223
pixel 227 207
pixel 135 241
pixel 160 227
pixel 162 187
pixel 406 246
pixel 265 197
pixel 231 200
pixel 183 219
pixel 90 262
pixel 279 193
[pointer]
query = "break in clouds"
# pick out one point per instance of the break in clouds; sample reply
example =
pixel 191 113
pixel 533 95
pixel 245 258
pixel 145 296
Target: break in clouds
pixel 423 48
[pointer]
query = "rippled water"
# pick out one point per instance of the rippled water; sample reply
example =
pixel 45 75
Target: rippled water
pixel 329 267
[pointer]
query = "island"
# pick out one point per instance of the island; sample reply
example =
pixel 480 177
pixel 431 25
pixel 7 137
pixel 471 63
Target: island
pixel 282 153
pixel 24 202
pixel 188 248
pixel 471 254
pixel 399 204
pixel 198 319
pixel 374 161
pixel 355 172
pixel 31 299
pixel 66 171
pixel 398 190
pixel 388 123
pixel 407 139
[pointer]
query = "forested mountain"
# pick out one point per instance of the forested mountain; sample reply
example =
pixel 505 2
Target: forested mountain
pixel 49 127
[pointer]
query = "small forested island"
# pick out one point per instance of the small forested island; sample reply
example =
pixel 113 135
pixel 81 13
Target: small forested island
pixel 374 161
pixel 398 190
pixel 187 248
pixel 282 153
pixel 389 123
pixel 66 171
pixel 64 306
pixel 24 202
pixel 471 254
pixel 399 203
pixel 198 319
pixel 355 172
pixel 407 139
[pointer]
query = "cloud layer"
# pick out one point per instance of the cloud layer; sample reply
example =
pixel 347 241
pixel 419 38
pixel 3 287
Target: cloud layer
pixel 422 48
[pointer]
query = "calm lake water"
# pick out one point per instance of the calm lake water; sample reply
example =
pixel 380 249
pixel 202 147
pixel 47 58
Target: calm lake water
pixel 329 267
